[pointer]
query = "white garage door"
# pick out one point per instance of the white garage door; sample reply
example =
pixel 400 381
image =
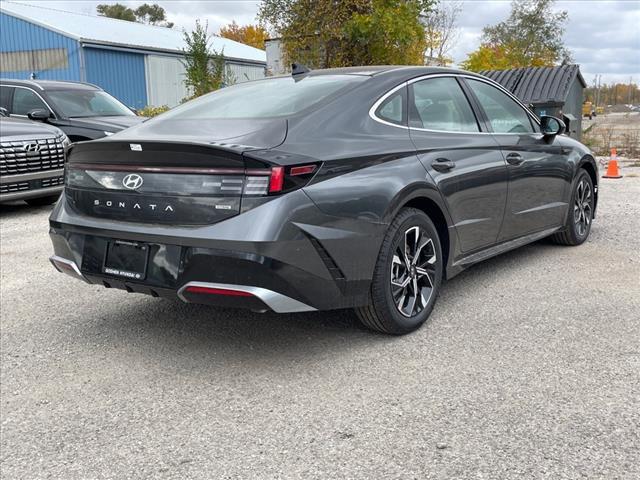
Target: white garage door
pixel 165 80
pixel 243 73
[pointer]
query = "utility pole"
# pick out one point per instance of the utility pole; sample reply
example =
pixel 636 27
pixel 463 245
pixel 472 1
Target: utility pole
pixel 629 93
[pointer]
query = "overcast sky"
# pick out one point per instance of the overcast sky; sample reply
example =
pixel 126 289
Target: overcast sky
pixel 604 36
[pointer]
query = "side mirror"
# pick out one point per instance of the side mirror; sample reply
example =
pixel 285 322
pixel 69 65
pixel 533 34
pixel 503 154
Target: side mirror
pixel 133 110
pixel 552 126
pixel 39 114
pixel 4 112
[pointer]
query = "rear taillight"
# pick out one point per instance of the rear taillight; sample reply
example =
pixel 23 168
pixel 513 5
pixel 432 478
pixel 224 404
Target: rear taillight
pixel 276 181
pixel 279 179
pixel 302 170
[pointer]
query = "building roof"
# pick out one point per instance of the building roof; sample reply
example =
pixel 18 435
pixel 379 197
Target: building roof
pixel 538 84
pixel 113 32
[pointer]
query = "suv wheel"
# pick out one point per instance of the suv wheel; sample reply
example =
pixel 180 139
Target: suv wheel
pixel 407 277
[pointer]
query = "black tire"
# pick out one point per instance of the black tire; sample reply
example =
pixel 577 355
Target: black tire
pixel 423 275
pixel 41 201
pixel 580 215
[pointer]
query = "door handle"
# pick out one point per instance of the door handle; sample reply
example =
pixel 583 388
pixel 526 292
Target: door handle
pixel 514 158
pixel 443 165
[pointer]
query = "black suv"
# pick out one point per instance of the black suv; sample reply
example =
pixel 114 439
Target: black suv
pixel 81 110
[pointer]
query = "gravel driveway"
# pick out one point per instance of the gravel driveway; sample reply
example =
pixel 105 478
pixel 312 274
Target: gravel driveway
pixel 528 368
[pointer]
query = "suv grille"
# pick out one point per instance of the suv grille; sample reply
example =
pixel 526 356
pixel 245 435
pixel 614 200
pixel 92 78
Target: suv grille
pixel 27 156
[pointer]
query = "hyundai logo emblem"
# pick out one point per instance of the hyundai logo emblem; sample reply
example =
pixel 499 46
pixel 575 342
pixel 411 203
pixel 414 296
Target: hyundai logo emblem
pixel 133 181
pixel 31 148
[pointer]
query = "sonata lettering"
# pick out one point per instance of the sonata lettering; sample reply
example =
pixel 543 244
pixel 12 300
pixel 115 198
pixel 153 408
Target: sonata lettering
pixel 136 206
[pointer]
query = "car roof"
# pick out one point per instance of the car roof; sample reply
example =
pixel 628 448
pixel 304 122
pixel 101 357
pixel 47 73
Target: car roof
pixel 375 70
pixel 50 84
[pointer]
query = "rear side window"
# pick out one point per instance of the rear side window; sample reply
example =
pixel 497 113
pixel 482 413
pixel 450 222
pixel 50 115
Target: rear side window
pixel 273 97
pixel 393 108
pixel 24 101
pixel 505 115
pixel 5 98
pixel 440 104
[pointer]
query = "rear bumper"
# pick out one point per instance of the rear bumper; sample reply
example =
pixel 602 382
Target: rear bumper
pixel 256 297
pixel 267 255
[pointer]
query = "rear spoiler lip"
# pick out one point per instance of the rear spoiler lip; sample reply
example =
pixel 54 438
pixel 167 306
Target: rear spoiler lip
pixel 178 170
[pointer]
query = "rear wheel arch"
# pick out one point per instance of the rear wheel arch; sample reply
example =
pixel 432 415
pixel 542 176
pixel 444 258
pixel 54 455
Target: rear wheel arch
pixel 436 213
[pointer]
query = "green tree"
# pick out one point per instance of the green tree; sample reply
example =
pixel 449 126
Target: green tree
pixel 152 15
pixel 117 10
pixel 532 36
pixel 331 33
pixel 389 33
pixel 205 68
pixel 145 13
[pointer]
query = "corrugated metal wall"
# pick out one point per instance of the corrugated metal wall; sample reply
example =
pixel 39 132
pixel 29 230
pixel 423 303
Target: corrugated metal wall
pixel 122 74
pixel 165 80
pixel 243 72
pixel 20 36
pixel 573 105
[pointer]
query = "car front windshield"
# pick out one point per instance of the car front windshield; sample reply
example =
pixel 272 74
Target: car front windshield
pixel 87 103
pixel 273 97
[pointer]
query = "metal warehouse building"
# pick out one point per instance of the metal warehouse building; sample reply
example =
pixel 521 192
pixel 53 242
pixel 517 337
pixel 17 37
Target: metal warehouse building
pixel 138 64
pixel 556 91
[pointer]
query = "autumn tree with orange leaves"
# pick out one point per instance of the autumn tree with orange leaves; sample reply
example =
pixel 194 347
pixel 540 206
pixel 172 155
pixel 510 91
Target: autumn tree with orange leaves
pixel 253 35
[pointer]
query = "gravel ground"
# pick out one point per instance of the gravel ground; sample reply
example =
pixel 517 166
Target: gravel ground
pixel 528 368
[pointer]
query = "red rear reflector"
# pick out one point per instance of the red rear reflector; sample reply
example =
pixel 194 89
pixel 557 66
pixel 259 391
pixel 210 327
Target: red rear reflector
pixel 303 170
pixel 217 291
pixel 277 179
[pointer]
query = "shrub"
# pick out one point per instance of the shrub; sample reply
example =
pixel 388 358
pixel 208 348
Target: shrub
pixel 151 111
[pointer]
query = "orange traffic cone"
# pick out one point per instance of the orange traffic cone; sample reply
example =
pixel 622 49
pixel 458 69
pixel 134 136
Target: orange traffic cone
pixel 612 168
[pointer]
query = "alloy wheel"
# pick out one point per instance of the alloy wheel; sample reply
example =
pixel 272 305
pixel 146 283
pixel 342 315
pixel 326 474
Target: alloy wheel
pixel 413 271
pixel 582 210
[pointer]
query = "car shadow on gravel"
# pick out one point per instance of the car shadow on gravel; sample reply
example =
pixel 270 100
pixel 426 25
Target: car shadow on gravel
pixel 160 325
pixel 19 208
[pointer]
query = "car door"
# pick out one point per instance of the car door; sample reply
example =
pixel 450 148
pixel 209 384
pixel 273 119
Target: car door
pixel 465 163
pixel 538 168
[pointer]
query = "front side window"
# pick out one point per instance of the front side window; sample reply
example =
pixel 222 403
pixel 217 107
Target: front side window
pixel 440 104
pixel 504 114
pixel 24 101
pixel 5 98
pixel 273 97
pixel 87 103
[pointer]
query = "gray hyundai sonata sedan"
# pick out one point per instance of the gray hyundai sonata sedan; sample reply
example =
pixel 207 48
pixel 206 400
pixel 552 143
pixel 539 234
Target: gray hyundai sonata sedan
pixel 356 188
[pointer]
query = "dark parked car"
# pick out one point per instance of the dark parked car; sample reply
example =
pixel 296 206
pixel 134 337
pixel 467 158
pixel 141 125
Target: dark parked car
pixel 358 187
pixel 81 110
pixel 31 161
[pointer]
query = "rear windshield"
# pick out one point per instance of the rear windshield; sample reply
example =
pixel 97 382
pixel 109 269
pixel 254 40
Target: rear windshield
pixel 274 97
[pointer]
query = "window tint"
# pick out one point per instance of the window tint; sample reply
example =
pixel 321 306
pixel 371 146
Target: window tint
pixel 24 101
pixel 392 109
pixel 273 97
pixel 5 98
pixel 505 115
pixel 440 104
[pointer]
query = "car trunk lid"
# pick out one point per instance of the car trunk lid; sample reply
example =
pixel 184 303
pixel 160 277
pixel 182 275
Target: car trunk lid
pixel 169 181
